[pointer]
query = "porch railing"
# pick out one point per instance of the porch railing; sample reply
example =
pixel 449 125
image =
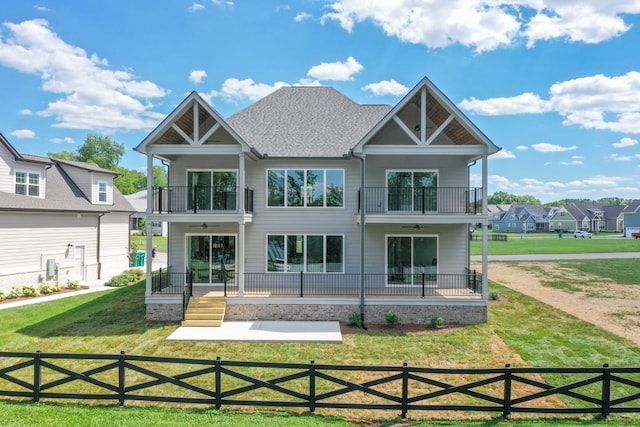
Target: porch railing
pixel 194 199
pixel 301 284
pixel 423 200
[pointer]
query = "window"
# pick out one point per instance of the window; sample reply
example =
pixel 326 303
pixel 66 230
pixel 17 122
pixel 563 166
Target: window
pixel 28 184
pixel 308 253
pixel 412 191
pixel 408 257
pixel 562 213
pixel 212 190
pixel 102 191
pixel 305 187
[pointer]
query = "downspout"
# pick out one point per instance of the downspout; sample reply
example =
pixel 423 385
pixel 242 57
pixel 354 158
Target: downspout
pixel 362 231
pixel 98 246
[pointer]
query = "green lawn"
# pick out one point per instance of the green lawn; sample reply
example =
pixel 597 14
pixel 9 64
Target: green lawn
pixel 140 242
pixel 519 244
pixel 522 331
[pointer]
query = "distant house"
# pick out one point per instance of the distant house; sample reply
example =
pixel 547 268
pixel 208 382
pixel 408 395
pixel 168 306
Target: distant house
pixel 60 220
pixel 522 219
pixel 631 218
pixel 594 217
pixel 138 224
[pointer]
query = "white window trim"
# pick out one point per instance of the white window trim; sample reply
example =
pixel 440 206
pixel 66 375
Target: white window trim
pixel 304 187
pixel 106 192
pixel 28 172
pixel 324 264
pixel 386 177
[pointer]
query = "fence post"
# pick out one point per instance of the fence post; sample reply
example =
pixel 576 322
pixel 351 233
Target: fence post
pixel 506 411
pixel 606 391
pixel 37 376
pixel 121 378
pixel 423 283
pixel 195 202
pixel 218 385
pixel 405 390
pixel 301 284
pixel 312 386
pixel 424 197
pixel 224 278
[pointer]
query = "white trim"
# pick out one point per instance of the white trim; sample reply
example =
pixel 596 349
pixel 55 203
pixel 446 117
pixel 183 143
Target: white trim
pixel 386 254
pixel 304 255
pixel 235 252
pixel 28 172
pixel 304 188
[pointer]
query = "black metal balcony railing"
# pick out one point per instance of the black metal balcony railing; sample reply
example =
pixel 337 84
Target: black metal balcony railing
pixel 423 200
pixel 420 285
pixel 194 199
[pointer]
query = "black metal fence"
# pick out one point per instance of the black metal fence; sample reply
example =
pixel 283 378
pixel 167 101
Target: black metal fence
pixel 493 237
pixel 423 200
pixel 301 284
pixel 194 199
pixel 121 378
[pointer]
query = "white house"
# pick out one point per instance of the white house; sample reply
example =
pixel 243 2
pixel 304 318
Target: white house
pixel 59 220
pixel 308 205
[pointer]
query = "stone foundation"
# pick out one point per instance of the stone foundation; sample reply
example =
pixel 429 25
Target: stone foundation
pixel 237 309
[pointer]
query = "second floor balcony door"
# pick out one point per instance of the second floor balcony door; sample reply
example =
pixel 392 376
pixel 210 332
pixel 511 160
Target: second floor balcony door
pixel 212 190
pixel 412 191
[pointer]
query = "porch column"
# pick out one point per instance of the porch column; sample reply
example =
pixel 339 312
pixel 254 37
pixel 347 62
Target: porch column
pixel 240 259
pixel 241 184
pixel 149 266
pixel 485 231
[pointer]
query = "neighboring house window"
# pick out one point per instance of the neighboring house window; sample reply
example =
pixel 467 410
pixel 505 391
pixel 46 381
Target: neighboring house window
pixel 308 253
pixel 305 187
pixel 412 190
pixel 28 184
pixel 102 191
pixel 212 190
pixel 562 213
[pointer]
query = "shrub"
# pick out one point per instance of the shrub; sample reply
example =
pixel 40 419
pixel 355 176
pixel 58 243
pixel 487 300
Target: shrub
pixel 29 291
pixel 55 286
pixel 494 296
pixel 355 319
pixel 392 318
pixel 437 321
pixel 45 288
pixel 3 296
pixel 73 284
pixel 15 292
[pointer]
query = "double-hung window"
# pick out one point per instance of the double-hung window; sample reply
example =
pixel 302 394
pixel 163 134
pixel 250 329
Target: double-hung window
pixel 102 191
pixel 28 184
pixel 305 187
pixel 308 253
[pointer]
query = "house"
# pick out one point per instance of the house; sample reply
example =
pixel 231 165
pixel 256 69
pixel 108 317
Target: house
pixel 60 220
pixel 522 219
pixel 308 205
pixel 138 224
pixel 631 218
pixel 594 217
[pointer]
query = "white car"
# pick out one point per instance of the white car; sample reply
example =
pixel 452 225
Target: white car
pixel 581 233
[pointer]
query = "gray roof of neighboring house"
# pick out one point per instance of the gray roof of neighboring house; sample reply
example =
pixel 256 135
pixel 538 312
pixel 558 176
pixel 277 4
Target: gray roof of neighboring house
pixel 306 122
pixel 138 200
pixel 61 195
pixel 613 211
pixel 632 207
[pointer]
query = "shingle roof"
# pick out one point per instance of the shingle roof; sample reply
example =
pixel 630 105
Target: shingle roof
pixel 306 122
pixel 632 207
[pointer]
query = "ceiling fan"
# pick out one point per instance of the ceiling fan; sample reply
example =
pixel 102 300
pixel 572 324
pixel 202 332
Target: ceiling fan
pixel 415 226
pixel 203 226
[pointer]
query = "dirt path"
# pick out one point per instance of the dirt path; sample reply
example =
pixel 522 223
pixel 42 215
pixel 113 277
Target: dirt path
pixel 612 306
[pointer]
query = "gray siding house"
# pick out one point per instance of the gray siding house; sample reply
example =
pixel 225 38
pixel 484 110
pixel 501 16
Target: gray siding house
pixel 522 219
pixel 59 220
pixel 594 217
pixel 631 218
pixel 308 205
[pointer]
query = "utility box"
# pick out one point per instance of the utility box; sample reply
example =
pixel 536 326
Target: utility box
pixel 51 267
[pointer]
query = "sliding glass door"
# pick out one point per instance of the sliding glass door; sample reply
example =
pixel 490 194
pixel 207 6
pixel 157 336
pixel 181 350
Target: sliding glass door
pixel 410 256
pixel 411 191
pixel 212 190
pixel 210 256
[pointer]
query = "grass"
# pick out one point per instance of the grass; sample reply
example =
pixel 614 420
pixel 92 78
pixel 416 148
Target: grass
pixel 140 242
pixel 522 332
pixel 516 246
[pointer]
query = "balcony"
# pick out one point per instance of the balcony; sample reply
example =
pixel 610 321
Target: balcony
pixel 200 199
pixel 423 200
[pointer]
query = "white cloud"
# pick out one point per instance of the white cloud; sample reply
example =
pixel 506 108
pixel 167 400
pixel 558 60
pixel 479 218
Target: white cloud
pixel 195 7
pixel 503 154
pixel 234 90
pixel 26 112
pixel 386 87
pixel 302 16
pixel 223 3
pixel 625 142
pixel 619 158
pixel 40 8
pixel 527 103
pixel 485 25
pixel 197 76
pixel 577 157
pixel 522 148
pixel 340 71
pixel 572 163
pixel 94 97
pixel 23 134
pixel 545 147
pixel 66 139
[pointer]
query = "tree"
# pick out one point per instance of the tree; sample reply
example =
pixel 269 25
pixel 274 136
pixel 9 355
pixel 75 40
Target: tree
pixel 160 177
pixel 101 150
pixel 503 198
pixel 130 181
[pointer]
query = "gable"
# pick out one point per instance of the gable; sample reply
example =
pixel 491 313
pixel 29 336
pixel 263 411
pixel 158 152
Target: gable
pixel 426 120
pixel 193 127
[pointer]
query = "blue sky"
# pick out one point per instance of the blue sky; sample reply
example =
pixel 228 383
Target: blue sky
pixel 555 83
